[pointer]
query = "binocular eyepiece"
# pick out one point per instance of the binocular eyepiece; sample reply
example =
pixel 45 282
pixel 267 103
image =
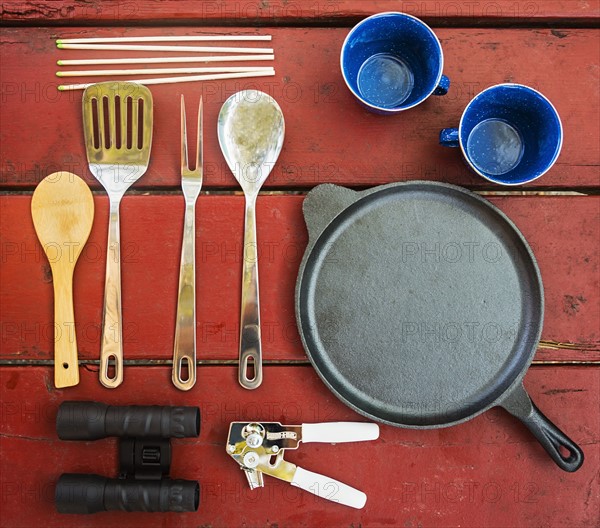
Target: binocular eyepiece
pixel 79 420
pixel 79 493
pixel 144 458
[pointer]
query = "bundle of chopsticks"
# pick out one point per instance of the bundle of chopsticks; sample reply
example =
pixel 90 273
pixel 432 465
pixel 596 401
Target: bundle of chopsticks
pixel 188 73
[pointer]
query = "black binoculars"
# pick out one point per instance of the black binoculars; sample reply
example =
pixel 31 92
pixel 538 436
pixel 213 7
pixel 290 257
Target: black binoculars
pixel 144 458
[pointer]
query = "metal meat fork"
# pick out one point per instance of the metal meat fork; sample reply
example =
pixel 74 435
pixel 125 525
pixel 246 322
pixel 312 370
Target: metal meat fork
pixel 184 353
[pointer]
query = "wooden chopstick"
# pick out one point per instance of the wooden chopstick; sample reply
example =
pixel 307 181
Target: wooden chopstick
pixel 189 38
pixel 171 80
pixel 163 60
pixel 134 47
pixel 162 71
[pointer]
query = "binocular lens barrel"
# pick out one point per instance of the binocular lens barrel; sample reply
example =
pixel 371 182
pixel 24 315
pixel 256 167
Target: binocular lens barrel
pixel 84 494
pixel 80 420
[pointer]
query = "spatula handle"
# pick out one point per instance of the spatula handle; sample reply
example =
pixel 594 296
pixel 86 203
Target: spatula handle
pixel 111 348
pixel 66 368
pixel 250 341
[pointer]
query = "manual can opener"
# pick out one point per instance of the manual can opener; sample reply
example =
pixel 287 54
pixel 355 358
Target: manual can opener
pixel 258 447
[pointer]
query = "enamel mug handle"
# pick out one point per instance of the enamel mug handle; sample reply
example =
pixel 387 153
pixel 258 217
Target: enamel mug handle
pixel 328 488
pixel 339 432
pixel 443 86
pixel 449 137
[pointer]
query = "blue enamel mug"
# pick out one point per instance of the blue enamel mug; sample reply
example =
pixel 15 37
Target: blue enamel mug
pixel 510 134
pixel 392 62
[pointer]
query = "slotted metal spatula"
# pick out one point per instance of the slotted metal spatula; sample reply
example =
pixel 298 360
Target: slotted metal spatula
pixel 117 124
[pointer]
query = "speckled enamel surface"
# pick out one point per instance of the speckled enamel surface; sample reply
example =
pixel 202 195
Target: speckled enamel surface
pixel 404 37
pixel 527 111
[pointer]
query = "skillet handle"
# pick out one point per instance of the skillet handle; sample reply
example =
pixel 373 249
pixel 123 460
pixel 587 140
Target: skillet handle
pixel 519 404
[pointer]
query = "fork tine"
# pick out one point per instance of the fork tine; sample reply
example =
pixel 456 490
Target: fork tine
pixel 184 149
pixel 200 148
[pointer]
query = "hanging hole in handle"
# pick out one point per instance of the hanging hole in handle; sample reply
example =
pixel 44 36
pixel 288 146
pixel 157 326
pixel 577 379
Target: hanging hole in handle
pixel 111 370
pixel 65 365
pixel 183 370
pixel 249 369
pixel 565 452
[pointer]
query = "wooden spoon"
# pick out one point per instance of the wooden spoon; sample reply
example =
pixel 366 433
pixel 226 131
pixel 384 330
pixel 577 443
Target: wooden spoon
pixel 62 208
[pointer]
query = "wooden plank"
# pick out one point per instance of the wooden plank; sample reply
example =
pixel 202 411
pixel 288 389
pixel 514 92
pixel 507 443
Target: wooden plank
pixel 563 231
pixel 487 472
pixel 286 11
pixel 329 137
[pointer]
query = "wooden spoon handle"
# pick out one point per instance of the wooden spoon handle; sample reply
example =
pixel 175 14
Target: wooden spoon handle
pixel 66 367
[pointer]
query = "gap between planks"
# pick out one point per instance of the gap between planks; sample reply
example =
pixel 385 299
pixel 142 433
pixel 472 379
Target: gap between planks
pixel 93 365
pixel 342 21
pixel 301 191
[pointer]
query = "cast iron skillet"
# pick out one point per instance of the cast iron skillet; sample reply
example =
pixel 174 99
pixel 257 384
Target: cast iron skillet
pixel 420 305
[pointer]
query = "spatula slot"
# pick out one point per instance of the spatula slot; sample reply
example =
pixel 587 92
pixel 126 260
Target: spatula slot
pixel 140 128
pixel 106 122
pixel 95 123
pixel 129 112
pixel 118 137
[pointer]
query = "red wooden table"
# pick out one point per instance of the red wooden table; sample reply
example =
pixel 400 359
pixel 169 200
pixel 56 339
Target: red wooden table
pixel 487 472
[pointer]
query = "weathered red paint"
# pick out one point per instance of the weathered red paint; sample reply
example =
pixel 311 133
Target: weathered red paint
pixel 565 244
pixel 282 11
pixel 487 472
pixel 319 110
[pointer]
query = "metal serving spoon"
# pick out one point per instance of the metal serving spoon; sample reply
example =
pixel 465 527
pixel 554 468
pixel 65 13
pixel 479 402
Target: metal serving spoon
pixel 251 130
